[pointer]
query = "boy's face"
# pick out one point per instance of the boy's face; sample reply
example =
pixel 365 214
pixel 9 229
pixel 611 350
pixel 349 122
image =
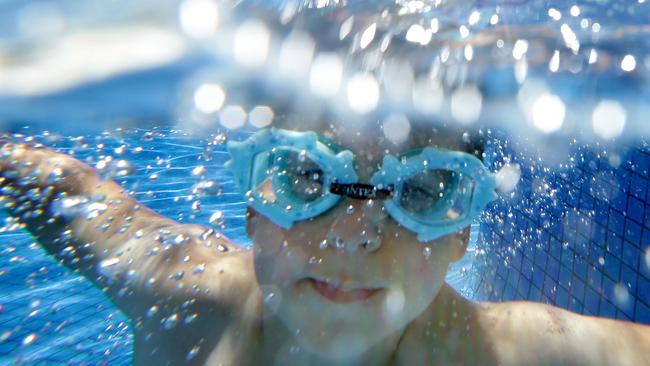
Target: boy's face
pixel 349 278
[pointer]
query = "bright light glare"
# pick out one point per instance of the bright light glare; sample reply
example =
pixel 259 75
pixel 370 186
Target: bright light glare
pixel 570 38
pixel 346 27
pixel 296 54
pixel 326 73
pixel 469 52
pixel 435 25
pixel 417 34
pixel 368 35
pixel 554 13
pixel 628 63
pixel 548 113
pixel 508 177
pixel 466 104
pixel 396 128
pixel 554 63
pixel 474 17
pixel 261 116
pixel 608 119
pixel 520 48
pixel 428 95
pixel 464 31
pixel 199 18
pixel 593 56
pixel 232 117
pixel 251 43
pixel 363 93
pixel 575 10
pixel 209 98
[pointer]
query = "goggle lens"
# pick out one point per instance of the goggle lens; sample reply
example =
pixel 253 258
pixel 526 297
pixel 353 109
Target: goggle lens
pixel 436 196
pixel 286 176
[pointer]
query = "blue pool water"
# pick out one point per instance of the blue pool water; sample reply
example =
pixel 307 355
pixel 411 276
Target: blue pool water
pixel 574 232
pixel 67 319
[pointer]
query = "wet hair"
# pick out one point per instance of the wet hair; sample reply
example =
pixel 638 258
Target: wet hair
pixel 471 141
pixel 422 133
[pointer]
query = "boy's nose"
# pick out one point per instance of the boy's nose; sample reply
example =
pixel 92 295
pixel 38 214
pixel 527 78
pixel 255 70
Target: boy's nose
pixel 358 227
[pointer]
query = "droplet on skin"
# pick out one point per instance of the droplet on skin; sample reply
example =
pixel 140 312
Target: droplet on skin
pixel 426 252
pixel 95 209
pixel 107 266
pixel 339 243
pixel 395 302
pixel 199 269
pixel 177 276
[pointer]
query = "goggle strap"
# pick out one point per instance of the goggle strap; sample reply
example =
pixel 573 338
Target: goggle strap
pixel 361 191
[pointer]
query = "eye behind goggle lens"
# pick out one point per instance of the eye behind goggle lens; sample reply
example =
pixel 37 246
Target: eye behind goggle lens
pixel 437 195
pixel 287 176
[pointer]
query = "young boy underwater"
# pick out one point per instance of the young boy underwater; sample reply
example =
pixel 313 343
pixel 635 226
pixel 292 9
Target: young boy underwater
pixel 352 237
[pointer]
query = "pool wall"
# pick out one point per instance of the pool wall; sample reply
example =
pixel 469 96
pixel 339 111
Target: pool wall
pixel 575 237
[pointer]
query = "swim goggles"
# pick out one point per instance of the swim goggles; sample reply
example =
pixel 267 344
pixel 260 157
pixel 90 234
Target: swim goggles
pixel 291 176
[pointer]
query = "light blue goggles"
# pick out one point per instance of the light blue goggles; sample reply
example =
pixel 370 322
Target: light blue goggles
pixel 293 176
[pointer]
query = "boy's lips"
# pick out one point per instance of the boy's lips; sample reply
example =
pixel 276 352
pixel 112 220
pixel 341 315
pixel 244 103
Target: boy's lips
pixel 336 294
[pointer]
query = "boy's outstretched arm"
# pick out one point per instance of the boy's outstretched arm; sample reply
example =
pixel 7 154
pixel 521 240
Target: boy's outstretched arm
pixel 145 263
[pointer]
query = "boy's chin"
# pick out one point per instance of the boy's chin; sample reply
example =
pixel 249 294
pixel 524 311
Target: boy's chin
pixel 339 347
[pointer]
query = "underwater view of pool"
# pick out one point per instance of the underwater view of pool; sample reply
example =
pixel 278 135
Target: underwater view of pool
pixel 149 95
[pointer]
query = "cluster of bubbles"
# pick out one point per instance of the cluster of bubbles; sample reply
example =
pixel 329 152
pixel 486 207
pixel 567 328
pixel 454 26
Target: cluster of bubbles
pixel 426 59
pixel 568 211
pixel 128 157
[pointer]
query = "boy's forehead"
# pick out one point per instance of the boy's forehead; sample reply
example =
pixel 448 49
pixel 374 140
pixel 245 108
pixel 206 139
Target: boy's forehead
pixel 373 138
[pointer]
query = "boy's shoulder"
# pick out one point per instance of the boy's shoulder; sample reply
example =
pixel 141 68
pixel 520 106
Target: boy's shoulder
pixel 514 333
pixel 522 332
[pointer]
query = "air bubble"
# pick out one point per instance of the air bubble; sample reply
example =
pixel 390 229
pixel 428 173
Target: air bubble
pixel 426 252
pixel 190 318
pixel 198 171
pixel 216 218
pixel 171 321
pixel 152 311
pixel 192 353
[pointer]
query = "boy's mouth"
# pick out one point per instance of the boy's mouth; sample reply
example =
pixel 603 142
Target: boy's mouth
pixel 339 295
